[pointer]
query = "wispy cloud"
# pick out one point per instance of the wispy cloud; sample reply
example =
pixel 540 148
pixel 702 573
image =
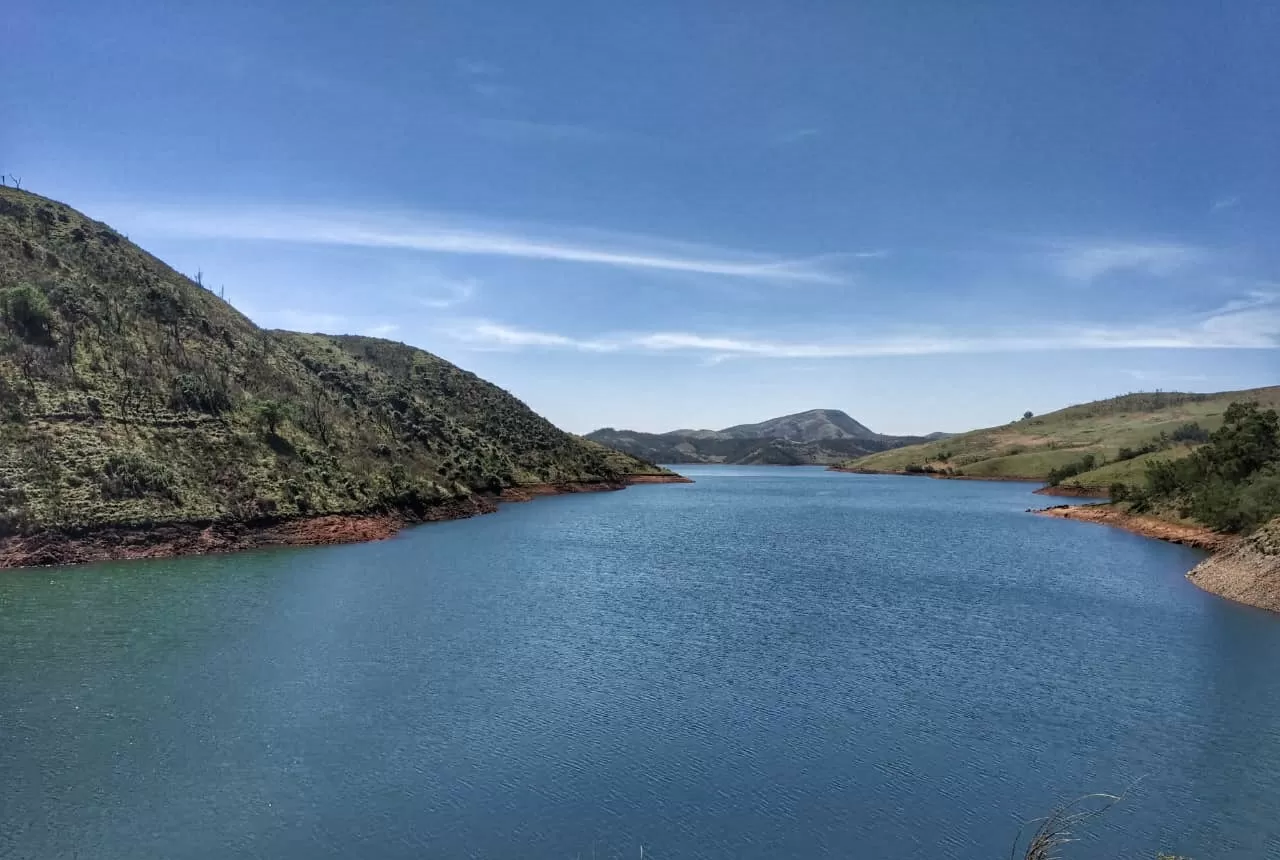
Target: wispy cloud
pixel 485 79
pixel 1254 327
pixel 486 333
pixel 443 292
pixel 479 69
pixel 1086 261
pixel 1225 203
pixel 520 130
pixel 442 233
pixel 796 135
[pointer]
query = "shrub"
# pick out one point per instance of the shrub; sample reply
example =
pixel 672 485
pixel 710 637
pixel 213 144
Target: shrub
pixel 1139 500
pixel 26 311
pixel 1118 492
pixel 1070 470
pixel 270 415
pixel 1191 432
pixel 197 393
pixel 130 476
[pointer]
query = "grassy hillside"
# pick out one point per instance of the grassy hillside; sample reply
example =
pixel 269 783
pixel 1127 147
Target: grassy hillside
pixel 1108 430
pixel 131 395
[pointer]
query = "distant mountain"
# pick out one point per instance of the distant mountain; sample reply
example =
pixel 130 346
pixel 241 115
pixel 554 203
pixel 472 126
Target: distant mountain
pixel 818 436
pixel 816 425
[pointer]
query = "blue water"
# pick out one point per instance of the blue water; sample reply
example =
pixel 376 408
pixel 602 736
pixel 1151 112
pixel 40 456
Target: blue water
pixel 769 663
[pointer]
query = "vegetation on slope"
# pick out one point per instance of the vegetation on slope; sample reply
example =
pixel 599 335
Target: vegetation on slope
pixel 1121 435
pixel 1230 484
pixel 131 395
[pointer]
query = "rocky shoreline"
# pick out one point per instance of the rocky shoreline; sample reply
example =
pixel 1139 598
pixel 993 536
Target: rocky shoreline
pixel 1245 570
pixel 1147 526
pixel 166 540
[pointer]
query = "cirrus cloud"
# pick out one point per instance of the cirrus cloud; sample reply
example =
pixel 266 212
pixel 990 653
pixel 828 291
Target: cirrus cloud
pixel 1252 324
pixel 1085 261
pixel 451 233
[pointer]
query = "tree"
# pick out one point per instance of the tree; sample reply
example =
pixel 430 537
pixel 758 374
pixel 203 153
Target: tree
pixel 271 413
pixel 1231 483
pixel 1028 415
pixel 316 410
pixel 1248 440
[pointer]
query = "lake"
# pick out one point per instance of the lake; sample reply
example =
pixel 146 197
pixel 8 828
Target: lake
pixel 768 663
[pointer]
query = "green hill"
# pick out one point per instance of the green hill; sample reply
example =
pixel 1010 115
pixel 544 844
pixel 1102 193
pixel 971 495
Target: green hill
pixel 1120 434
pixel 130 395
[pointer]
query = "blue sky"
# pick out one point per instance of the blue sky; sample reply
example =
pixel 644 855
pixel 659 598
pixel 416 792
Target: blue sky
pixel 932 215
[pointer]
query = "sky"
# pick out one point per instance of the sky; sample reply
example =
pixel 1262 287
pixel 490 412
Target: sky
pixel 932 215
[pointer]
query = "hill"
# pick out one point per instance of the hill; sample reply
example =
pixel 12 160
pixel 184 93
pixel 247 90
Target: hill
pixel 815 425
pixel 822 436
pixel 1082 449
pixel 1227 488
pixel 132 398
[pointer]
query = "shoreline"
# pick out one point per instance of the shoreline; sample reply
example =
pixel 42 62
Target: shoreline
pixel 1244 570
pixel 171 540
pixel 1238 569
pixel 936 475
pixel 1198 537
pixel 1074 492
pixel 1066 491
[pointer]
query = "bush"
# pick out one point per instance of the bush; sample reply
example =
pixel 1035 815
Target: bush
pixel 1190 433
pixel 26 311
pixel 1159 443
pixel 197 393
pixel 129 476
pixel 1118 492
pixel 1070 470
pixel 270 415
